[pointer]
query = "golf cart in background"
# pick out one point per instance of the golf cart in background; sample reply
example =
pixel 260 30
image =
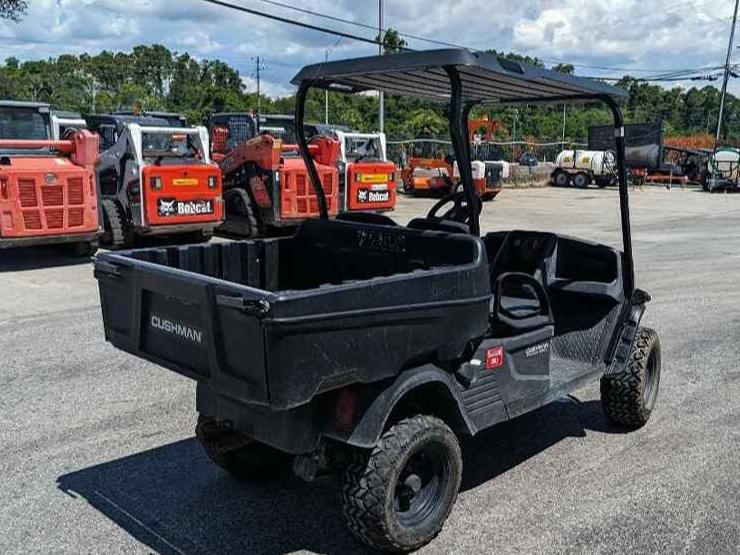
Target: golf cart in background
pixel 47 185
pixel 366 347
pixel 367 178
pixel 722 171
pixel 155 179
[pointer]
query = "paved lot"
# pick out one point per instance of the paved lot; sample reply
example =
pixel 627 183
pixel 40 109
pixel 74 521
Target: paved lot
pixel 97 452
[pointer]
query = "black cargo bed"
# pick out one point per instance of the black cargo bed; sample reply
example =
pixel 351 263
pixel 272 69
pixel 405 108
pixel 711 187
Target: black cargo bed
pixel 276 321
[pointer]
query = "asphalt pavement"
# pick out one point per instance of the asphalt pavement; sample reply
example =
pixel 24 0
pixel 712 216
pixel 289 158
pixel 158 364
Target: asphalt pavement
pixel 97 453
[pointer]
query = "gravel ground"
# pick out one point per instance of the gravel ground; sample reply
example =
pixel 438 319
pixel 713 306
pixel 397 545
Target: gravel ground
pixel 97 452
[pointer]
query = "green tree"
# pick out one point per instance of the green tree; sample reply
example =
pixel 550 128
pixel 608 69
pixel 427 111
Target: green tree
pixel 392 41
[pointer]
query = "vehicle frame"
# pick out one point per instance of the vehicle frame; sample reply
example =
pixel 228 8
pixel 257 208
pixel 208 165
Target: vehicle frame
pixel 366 347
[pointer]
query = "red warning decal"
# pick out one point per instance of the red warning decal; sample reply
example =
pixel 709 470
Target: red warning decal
pixel 494 357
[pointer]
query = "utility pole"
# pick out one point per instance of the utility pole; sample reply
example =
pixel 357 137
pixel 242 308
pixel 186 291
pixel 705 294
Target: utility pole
pixel 727 73
pixel 326 95
pixel 563 143
pixel 381 112
pixel 258 76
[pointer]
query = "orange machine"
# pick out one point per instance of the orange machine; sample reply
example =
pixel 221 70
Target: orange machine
pixel 266 185
pixel 156 180
pixel 430 175
pixel 47 187
pixel 368 178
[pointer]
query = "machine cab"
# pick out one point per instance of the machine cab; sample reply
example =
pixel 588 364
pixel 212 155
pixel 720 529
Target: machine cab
pixel 368 178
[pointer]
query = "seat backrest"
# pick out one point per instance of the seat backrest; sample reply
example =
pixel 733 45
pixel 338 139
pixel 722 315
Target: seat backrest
pixel 524 251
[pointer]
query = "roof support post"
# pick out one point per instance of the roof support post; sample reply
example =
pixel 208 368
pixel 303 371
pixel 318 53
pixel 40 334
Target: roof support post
pixel 300 111
pixel 459 135
pixel 619 139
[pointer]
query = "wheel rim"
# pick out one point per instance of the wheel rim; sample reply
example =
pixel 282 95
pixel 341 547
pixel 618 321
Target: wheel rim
pixel 651 380
pixel 421 485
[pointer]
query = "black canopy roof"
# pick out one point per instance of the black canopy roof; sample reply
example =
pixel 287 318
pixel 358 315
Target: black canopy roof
pixel 486 78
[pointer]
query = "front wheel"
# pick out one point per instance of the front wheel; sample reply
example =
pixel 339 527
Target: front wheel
pixel 628 397
pixel 398 496
pixel 561 179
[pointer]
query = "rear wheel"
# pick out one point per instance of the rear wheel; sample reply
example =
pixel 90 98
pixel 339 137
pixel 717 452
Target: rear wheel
pixel 243 458
pixel 561 179
pixel 581 180
pixel 398 496
pixel 628 397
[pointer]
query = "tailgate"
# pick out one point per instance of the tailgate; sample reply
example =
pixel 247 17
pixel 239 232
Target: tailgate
pixel 201 327
pixel 182 194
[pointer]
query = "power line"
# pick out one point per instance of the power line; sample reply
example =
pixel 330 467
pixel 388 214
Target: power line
pixel 291 21
pixel 452 44
pixel 327 30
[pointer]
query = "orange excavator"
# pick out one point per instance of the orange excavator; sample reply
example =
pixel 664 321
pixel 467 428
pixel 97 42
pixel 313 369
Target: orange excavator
pixel 47 186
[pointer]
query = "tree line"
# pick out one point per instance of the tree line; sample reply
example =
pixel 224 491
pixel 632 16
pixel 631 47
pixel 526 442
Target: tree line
pixel 155 78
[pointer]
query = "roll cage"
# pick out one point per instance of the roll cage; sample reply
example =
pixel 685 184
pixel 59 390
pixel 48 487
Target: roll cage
pixel 464 79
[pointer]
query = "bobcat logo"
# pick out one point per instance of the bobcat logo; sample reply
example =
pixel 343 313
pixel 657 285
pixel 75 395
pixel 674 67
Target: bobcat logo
pixel 362 195
pixel 166 207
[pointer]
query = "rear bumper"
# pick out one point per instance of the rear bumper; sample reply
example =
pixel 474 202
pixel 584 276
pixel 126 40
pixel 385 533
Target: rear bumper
pixel 18 242
pixel 177 228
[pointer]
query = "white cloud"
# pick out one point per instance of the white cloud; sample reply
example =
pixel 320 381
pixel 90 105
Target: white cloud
pixel 635 34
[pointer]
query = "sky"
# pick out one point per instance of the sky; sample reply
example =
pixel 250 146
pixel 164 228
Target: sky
pixel 600 37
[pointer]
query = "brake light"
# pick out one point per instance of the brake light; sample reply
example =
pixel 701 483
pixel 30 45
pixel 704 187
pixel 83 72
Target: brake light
pixel 156 183
pixel 212 181
pixel 4 189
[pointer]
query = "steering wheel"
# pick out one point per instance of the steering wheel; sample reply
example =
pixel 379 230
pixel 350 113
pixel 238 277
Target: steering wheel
pixel 458 212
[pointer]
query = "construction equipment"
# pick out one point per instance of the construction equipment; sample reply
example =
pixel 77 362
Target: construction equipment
pixel 156 180
pixel 173 119
pixel 442 176
pixel 47 186
pixel 65 123
pixel 266 185
pixel 369 348
pixel 368 179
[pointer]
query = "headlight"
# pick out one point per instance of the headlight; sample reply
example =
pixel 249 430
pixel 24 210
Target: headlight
pixel 212 181
pixel 156 183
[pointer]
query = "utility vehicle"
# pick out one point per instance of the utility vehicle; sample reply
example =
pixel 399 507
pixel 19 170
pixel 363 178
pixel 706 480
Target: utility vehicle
pixel 366 347
pixel 267 190
pixel 155 179
pixel 368 179
pixel 47 186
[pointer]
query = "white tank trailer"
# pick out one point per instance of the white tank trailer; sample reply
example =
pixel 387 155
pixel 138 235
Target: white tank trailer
pixel 580 168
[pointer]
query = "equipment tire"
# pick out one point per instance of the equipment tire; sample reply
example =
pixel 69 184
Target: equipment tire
pixel 115 235
pixel 561 179
pixel 581 180
pixel 398 496
pixel 628 397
